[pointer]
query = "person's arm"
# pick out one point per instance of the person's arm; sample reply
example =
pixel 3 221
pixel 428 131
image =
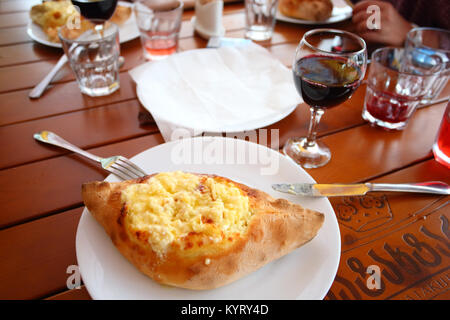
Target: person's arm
pixel 393 27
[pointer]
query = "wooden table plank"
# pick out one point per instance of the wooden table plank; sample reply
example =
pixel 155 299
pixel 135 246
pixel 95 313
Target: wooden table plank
pixel 14 35
pixel 17 5
pixel 17 107
pixel 63 177
pixel 28 75
pixel 77 294
pixel 35 256
pixel 13 19
pixel 26 53
pixel 89 128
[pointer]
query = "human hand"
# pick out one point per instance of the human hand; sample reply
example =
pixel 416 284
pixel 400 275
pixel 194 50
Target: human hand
pixel 393 27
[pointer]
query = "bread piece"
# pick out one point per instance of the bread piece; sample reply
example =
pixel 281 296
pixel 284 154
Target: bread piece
pixel 313 10
pixel 121 15
pixel 197 231
pixel 52 15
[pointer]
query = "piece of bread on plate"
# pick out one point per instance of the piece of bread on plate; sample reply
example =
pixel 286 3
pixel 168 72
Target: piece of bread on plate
pixel 52 15
pixel 197 231
pixel 312 10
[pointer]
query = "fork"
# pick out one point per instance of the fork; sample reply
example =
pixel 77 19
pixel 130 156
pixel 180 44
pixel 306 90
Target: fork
pixel 117 165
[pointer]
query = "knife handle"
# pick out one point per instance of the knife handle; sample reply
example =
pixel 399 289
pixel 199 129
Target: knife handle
pixel 37 91
pixel 433 187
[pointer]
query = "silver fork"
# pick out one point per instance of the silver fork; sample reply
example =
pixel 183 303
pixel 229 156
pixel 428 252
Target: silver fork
pixel 118 165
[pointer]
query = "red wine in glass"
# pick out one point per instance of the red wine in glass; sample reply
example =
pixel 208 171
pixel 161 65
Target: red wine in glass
pixel 325 81
pixel 96 9
pixel 328 67
pixel 388 107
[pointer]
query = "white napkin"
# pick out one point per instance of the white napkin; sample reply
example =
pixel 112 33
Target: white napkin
pixel 215 90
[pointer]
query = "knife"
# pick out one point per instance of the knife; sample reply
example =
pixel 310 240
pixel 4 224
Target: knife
pixel 334 190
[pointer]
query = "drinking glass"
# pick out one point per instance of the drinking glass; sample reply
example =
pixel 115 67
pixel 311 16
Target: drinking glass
pixel 93 57
pixel 159 23
pixel 428 50
pixel 328 67
pixel 260 19
pixel 441 147
pixel 393 95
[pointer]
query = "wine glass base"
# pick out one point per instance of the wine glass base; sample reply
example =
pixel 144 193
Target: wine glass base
pixel 308 156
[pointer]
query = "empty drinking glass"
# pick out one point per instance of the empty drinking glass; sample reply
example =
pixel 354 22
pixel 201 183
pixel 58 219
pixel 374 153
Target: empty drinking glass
pixel 428 50
pixel 93 56
pixel 260 19
pixel 159 23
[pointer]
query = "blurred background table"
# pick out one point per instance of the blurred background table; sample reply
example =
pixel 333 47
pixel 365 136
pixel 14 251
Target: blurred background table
pixel 407 236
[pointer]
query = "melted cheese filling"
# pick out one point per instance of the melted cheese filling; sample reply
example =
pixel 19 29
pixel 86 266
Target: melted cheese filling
pixel 172 205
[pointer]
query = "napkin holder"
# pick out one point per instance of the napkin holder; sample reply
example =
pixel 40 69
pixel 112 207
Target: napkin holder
pixel 208 18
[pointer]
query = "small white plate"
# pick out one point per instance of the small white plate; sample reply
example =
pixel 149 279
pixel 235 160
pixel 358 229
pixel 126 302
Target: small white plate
pixel 252 124
pixel 305 273
pixel 127 31
pixel 341 11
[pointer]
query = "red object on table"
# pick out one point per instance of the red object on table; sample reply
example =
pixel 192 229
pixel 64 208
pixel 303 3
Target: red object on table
pixel 441 148
pixel 388 107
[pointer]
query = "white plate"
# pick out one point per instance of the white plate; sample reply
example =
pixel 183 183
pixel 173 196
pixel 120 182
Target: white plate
pixel 306 273
pixel 341 11
pixel 252 124
pixel 127 31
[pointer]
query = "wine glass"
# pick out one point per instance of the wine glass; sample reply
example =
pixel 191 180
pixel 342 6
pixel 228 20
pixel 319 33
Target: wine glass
pixel 328 67
pixel 96 11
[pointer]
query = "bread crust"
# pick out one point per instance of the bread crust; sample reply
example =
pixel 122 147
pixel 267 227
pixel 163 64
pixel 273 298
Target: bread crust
pixel 276 228
pixel 313 10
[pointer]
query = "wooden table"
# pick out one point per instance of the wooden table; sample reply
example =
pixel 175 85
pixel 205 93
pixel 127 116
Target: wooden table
pixel 408 239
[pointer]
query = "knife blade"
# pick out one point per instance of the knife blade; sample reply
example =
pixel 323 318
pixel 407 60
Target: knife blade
pixel 335 190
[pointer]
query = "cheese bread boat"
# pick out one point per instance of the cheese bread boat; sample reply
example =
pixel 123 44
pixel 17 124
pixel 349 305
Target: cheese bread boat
pixel 197 231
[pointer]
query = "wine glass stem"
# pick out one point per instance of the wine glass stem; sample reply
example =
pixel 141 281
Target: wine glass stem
pixel 316 115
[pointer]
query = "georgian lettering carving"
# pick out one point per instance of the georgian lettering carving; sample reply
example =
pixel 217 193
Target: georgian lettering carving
pixel 421 246
pixel 444 226
pixel 423 253
pixel 442 250
pixel 350 287
pixel 403 259
pixel 396 276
